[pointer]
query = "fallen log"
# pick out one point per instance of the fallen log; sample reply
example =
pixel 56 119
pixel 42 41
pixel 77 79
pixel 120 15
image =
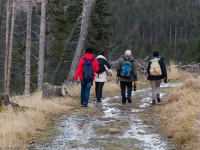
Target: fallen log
pixel 54 91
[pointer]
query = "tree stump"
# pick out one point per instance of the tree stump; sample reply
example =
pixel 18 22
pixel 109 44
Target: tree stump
pixel 54 91
pixel 4 100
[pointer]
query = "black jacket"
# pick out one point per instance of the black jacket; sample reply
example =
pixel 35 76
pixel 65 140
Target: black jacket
pixel 163 69
pixel 104 62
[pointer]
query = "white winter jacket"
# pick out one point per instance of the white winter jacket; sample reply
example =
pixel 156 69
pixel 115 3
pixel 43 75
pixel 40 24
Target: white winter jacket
pixel 102 77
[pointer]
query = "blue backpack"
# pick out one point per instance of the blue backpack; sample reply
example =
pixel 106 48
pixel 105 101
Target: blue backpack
pixel 126 69
pixel 88 70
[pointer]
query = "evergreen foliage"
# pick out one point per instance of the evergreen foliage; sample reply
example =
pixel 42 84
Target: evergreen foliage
pixel 62 17
pixel 168 26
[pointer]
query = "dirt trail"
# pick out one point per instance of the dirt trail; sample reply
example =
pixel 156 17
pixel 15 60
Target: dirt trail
pixel 110 126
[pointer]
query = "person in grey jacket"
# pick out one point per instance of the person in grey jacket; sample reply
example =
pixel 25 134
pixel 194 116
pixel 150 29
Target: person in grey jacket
pixel 155 81
pixel 127 82
pixel 101 78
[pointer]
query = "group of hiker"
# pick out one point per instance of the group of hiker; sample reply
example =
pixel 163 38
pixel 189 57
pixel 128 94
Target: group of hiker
pixel 97 69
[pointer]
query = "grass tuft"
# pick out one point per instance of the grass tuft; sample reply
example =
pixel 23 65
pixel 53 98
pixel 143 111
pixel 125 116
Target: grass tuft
pixel 181 112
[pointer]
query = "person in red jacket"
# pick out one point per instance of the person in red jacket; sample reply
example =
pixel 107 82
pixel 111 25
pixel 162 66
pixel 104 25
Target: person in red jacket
pixel 80 73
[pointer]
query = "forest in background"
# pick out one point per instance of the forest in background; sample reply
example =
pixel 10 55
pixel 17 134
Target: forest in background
pixel 168 26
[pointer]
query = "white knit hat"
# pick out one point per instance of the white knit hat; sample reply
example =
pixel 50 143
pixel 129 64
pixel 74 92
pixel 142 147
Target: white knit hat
pixel 128 52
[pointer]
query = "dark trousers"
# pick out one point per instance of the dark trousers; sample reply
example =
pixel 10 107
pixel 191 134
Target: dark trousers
pixel 123 86
pixel 99 90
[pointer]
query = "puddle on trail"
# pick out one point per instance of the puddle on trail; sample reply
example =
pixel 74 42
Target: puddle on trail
pixel 110 126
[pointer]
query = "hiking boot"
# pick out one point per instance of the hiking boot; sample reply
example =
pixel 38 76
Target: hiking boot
pixel 129 99
pixel 81 105
pixel 99 101
pixel 84 105
pixel 158 100
pixel 123 103
pixel 153 102
pixel 158 97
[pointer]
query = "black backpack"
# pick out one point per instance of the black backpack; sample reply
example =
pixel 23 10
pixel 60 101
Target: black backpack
pixel 88 71
pixel 101 65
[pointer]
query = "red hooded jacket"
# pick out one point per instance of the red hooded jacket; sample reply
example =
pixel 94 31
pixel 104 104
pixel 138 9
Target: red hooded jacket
pixel 79 70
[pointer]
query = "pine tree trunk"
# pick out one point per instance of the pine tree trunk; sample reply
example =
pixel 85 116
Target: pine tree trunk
pixel 143 33
pixel 1 10
pixel 83 35
pixel 28 49
pixel 155 37
pixel 11 47
pixel 85 4
pixel 170 34
pixel 42 45
pixel 175 39
pixel 7 43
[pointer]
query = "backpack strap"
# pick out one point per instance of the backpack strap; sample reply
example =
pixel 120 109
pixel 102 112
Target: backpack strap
pixel 129 59
pixel 92 59
pixel 85 60
pixel 125 59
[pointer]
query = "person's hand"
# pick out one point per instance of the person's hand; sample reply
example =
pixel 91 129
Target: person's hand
pixel 75 79
pixel 135 82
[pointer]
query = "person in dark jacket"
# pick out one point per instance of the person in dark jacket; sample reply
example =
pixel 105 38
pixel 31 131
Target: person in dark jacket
pixel 101 78
pixel 155 81
pixel 127 82
pixel 86 85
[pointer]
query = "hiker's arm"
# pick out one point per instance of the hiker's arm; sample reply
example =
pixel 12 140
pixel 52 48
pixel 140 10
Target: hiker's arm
pixel 109 71
pixel 108 68
pixel 107 64
pixel 148 68
pixel 79 69
pixel 134 71
pixel 164 71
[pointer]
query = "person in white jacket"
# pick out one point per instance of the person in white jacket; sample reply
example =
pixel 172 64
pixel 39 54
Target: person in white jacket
pixel 101 76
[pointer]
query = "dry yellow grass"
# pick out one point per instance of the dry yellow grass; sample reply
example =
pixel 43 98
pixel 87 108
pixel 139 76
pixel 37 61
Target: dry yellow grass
pixel 17 125
pixel 109 88
pixel 174 73
pixel 181 114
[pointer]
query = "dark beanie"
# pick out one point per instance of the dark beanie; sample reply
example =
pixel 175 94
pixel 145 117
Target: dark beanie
pixel 101 53
pixel 155 54
pixel 88 50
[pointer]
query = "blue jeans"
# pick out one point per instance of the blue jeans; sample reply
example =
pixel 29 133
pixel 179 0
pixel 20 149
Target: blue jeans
pixel 85 91
pixel 123 86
